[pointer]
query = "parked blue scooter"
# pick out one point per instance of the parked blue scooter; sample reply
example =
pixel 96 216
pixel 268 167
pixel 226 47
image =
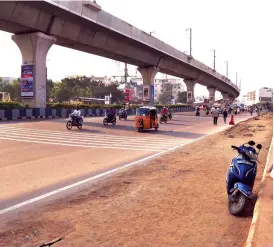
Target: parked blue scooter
pixel 241 177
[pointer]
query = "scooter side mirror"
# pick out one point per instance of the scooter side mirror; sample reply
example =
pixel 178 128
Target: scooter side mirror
pixel 251 143
pixel 259 146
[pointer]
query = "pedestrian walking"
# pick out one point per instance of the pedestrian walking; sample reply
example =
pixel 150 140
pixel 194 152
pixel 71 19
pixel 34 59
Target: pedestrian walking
pixel 251 111
pixel 225 113
pixel 198 112
pixel 215 115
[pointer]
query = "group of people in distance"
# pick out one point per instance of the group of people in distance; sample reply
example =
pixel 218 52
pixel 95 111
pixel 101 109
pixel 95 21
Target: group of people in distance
pixel 215 111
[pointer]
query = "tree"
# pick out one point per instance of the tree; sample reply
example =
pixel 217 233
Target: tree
pixel 13 88
pixel 182 97
pixel 82 86
pixel 166 95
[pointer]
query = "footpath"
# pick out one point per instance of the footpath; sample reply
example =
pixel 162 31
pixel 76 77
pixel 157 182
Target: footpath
pixel 261 230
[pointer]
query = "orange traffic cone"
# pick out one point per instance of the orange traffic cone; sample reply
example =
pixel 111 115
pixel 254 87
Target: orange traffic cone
pixel 231 122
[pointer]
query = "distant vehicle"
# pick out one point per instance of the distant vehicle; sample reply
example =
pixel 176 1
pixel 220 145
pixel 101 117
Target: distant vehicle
pixel 4 96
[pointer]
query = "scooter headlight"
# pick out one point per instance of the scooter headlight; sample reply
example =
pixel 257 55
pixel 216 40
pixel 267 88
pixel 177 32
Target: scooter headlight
pixel 251 154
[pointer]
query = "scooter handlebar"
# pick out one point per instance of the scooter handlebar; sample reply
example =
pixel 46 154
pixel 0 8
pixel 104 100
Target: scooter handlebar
pixel 234 147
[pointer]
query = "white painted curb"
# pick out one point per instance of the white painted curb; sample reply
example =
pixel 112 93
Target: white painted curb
pixel 257 209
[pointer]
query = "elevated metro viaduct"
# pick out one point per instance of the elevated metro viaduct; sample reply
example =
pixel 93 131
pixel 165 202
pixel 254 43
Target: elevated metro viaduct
pixel 84 26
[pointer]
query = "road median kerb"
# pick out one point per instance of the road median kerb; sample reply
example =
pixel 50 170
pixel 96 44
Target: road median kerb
pixel 258 206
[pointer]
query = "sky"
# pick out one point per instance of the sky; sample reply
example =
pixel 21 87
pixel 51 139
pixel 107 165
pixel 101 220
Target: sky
pixel 240 31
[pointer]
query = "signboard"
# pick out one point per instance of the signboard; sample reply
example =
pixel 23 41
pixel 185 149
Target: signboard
pixel 27 84
pixel 152 92
pixel 107 100
pixel 189 96
pixel 145 93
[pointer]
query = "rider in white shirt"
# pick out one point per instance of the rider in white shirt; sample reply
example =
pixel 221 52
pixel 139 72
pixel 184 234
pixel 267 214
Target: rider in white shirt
pixel 77 113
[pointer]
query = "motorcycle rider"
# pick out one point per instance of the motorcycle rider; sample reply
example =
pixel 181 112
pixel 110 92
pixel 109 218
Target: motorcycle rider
pixel 164 112
pixel 111 113
pixel 77 114
pixel 169 111
pixel 123 111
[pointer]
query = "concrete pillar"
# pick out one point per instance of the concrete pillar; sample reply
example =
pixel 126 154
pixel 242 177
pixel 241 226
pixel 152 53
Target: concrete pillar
pixel 225 99
pixel 211 91
pixel 148 75
pixel 34 48
pixel 190 84
pixel 230 99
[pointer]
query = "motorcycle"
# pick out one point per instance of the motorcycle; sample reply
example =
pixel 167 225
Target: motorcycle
pixel 122 115
pixel 74 121
pixel 241 177
pixel 163 119
pixel 109 119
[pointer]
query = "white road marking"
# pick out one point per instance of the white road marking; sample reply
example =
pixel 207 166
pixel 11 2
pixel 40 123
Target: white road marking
pixel 72 134
pixel 46 195
pixel 25 133
pixel 78 145
pixel 38 198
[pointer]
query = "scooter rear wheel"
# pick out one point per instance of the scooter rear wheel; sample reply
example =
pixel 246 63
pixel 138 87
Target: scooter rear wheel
pixel 238 204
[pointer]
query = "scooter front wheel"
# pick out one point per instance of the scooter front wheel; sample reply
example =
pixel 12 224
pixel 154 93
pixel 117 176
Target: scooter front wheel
pixel 105 122
pixel 69 125
pixel 237 204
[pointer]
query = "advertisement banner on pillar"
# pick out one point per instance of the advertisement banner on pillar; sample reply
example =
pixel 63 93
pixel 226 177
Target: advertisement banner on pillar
pixel 27 84
pixel 189 96
pixel 146 93
pixel 152 91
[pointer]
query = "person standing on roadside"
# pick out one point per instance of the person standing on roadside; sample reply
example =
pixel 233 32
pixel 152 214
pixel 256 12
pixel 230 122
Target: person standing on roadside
pixel 251 111
pixel 215 115
pixel 225 113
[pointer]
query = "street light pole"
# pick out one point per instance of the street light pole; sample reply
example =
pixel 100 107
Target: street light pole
pixel 190 40
pixel 236 79
pixel 226 69
pixel 214 58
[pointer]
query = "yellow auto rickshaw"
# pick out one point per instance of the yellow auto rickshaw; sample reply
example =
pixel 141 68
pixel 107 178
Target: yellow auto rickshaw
pixel 146 118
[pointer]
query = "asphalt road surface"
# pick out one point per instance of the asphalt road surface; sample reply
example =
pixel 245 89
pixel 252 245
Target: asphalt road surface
pixel 38 157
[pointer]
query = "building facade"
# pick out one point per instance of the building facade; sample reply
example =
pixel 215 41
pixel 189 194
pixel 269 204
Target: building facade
pixel 174 87
pixel 265 95
pixel 251 98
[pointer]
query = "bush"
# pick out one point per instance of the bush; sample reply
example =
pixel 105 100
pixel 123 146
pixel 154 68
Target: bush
pixel 16 105
pixel 10 105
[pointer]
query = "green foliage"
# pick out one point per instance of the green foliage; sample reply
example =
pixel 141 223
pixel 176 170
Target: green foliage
pixel 10 105
pixel 165 97
pixel 182 97
pixel 82 86
pixel 14 88
pixel 118 106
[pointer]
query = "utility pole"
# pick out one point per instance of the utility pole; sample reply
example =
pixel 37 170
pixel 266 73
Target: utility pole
pixel 214 58
pixel 190 40
pixel 226 69
pixel 236 79
pixel 126 73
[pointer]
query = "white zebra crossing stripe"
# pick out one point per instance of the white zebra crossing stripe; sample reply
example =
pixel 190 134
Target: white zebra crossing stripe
pixel 25 133
pixel 73 134
pixel 87 140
